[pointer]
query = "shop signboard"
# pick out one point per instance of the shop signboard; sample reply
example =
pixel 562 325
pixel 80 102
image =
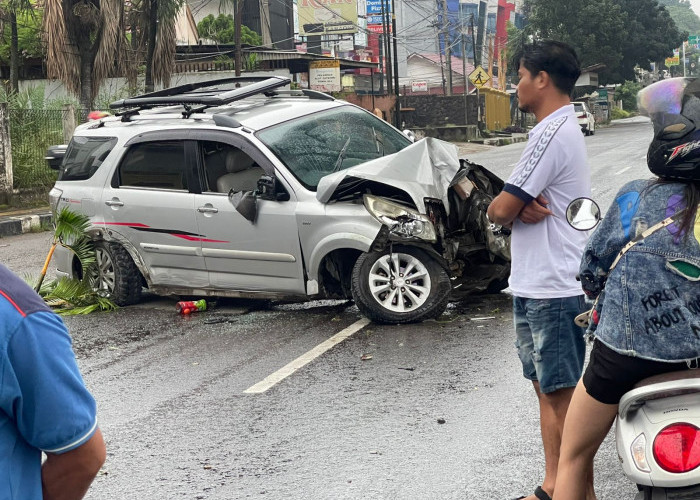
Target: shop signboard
pixel 325 17
pixel 325 76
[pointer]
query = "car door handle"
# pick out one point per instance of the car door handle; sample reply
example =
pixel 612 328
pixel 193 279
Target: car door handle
pixel 114 203
pixel 208 210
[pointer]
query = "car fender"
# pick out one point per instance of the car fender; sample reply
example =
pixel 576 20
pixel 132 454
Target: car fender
pixel 337 241
pixel 98 233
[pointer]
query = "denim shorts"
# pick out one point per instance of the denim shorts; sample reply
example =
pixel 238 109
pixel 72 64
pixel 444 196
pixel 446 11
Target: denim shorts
pixel 550 345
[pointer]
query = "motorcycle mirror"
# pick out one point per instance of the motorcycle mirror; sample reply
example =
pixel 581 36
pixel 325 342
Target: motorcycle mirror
pixel 583 214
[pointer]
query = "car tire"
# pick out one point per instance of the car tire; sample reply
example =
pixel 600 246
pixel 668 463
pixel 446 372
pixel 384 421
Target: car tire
pixel 383 302
pixel 115 274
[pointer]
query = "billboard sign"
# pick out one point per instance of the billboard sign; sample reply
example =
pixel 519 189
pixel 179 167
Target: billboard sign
pixel 325 76
pixel 376 28
pixel 327 17
pixel 375 6
pixel 419 86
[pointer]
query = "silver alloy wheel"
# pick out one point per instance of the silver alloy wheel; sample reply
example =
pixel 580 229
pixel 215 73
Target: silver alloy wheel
pixel 399 282
pixel 103 278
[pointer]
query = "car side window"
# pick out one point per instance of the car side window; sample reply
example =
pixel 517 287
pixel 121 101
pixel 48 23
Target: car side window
pixel 84 156
pixel 159 165
pixel 227 168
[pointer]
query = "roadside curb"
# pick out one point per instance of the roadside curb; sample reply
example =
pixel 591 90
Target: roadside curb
pixel 504 141
pixel 20 224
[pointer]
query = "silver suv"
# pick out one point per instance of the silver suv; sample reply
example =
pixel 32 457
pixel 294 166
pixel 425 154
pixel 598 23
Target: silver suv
pixel 237 188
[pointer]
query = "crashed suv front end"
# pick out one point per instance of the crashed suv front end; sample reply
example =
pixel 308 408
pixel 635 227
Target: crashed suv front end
pixel 433 240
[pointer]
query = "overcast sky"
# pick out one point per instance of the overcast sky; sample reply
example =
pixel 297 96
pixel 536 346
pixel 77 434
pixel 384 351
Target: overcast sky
pixel 696 6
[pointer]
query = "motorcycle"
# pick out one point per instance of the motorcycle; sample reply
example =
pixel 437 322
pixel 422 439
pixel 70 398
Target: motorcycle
pixel 657 429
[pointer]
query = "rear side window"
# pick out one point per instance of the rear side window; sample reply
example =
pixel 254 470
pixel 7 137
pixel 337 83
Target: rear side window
pixel 84 156
pixel 158 165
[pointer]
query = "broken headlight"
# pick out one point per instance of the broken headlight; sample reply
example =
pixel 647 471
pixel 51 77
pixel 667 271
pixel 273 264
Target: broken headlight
pixel 400 220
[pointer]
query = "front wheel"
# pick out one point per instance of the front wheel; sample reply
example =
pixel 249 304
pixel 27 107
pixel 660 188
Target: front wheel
pixel 404 286
pixel 115 275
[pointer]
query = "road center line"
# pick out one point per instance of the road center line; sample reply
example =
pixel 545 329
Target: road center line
pixel 306 358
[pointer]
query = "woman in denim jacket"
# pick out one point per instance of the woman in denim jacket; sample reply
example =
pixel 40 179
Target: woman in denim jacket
pixel 648 318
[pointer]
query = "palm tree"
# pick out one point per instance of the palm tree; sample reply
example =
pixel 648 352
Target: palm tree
pixel 73 296
pixel 86 42
pixel 70 232
pixel 153 40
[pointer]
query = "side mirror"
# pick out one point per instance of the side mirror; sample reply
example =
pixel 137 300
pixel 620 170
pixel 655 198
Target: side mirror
pixel 269 189
pixel 583 214
pixel 54 156
pixel 410 135
pixel 245 204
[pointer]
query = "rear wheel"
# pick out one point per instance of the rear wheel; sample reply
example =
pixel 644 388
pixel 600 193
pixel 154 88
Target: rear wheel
pixel 402 287
pixel 115 274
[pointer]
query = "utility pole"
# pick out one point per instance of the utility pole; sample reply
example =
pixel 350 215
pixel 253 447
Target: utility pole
pixel 464 75
pixel 397 118
pixel 482 31
pixel 448 49
pixel 237 59
pixel 442 66
pixel 386 27
pixel 471 21
pixel 683 49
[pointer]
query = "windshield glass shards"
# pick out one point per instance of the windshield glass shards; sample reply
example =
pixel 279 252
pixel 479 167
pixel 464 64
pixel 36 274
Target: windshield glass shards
pixel 316 145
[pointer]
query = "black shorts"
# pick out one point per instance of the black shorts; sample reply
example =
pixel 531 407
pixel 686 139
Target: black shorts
pixel 610 374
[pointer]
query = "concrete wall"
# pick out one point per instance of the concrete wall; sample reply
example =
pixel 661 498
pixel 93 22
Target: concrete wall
pixel 116 88
pixel 439 110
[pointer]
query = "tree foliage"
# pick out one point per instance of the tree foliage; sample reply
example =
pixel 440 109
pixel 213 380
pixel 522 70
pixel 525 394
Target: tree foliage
pixel 86 42
pixel 29 37
pixel 617 33
pixel 627 93
pixel 221 30
pixel 683 15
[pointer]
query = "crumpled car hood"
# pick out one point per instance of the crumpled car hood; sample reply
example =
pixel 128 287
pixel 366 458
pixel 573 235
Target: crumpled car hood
pixel 424 169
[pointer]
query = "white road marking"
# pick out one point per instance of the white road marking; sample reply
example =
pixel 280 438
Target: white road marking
pixel 306 358
pixel 622 170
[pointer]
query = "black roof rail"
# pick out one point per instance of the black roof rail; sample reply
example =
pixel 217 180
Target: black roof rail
pixel 311 94
pixel 183 94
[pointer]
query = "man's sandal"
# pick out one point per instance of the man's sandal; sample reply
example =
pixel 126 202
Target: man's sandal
pixel 539 493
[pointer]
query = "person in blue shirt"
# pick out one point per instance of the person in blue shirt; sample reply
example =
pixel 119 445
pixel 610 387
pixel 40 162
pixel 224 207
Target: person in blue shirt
pixel 647 321
pixel 44 404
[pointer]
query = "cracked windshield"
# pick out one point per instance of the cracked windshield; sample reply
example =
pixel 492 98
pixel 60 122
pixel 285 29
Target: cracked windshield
pixel 317 145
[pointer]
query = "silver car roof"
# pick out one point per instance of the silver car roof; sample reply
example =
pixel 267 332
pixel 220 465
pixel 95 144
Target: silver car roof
pixel 255 113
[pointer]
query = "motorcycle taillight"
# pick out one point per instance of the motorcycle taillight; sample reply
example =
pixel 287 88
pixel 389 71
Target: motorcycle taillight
pixel 677 448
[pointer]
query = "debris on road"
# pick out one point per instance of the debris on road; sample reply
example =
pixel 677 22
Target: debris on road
pixel 190 306
pixel 366 357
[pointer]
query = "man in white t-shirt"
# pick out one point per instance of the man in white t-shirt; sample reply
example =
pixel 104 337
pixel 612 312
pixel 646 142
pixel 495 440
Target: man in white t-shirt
pixel 545 250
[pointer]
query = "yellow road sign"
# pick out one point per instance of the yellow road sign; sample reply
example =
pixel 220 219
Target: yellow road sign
pixel 479 77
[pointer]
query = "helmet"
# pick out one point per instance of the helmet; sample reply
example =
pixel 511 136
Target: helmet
pixel 674 108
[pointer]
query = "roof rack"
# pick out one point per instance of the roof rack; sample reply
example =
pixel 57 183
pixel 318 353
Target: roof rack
pixel 210 96
pixel 311 94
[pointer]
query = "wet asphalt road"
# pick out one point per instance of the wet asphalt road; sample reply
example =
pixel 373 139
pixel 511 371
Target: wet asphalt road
pixel 178 423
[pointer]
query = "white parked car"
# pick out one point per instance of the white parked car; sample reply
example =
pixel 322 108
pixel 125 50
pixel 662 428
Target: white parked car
pixel 210 190
pixel 585 118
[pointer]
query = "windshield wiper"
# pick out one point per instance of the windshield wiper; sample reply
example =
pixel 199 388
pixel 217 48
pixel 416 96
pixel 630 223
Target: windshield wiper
pixel 341 156
pixel 378 141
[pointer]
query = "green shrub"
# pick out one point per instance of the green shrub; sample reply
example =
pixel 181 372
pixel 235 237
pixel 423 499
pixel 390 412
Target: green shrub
pixel 617 113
